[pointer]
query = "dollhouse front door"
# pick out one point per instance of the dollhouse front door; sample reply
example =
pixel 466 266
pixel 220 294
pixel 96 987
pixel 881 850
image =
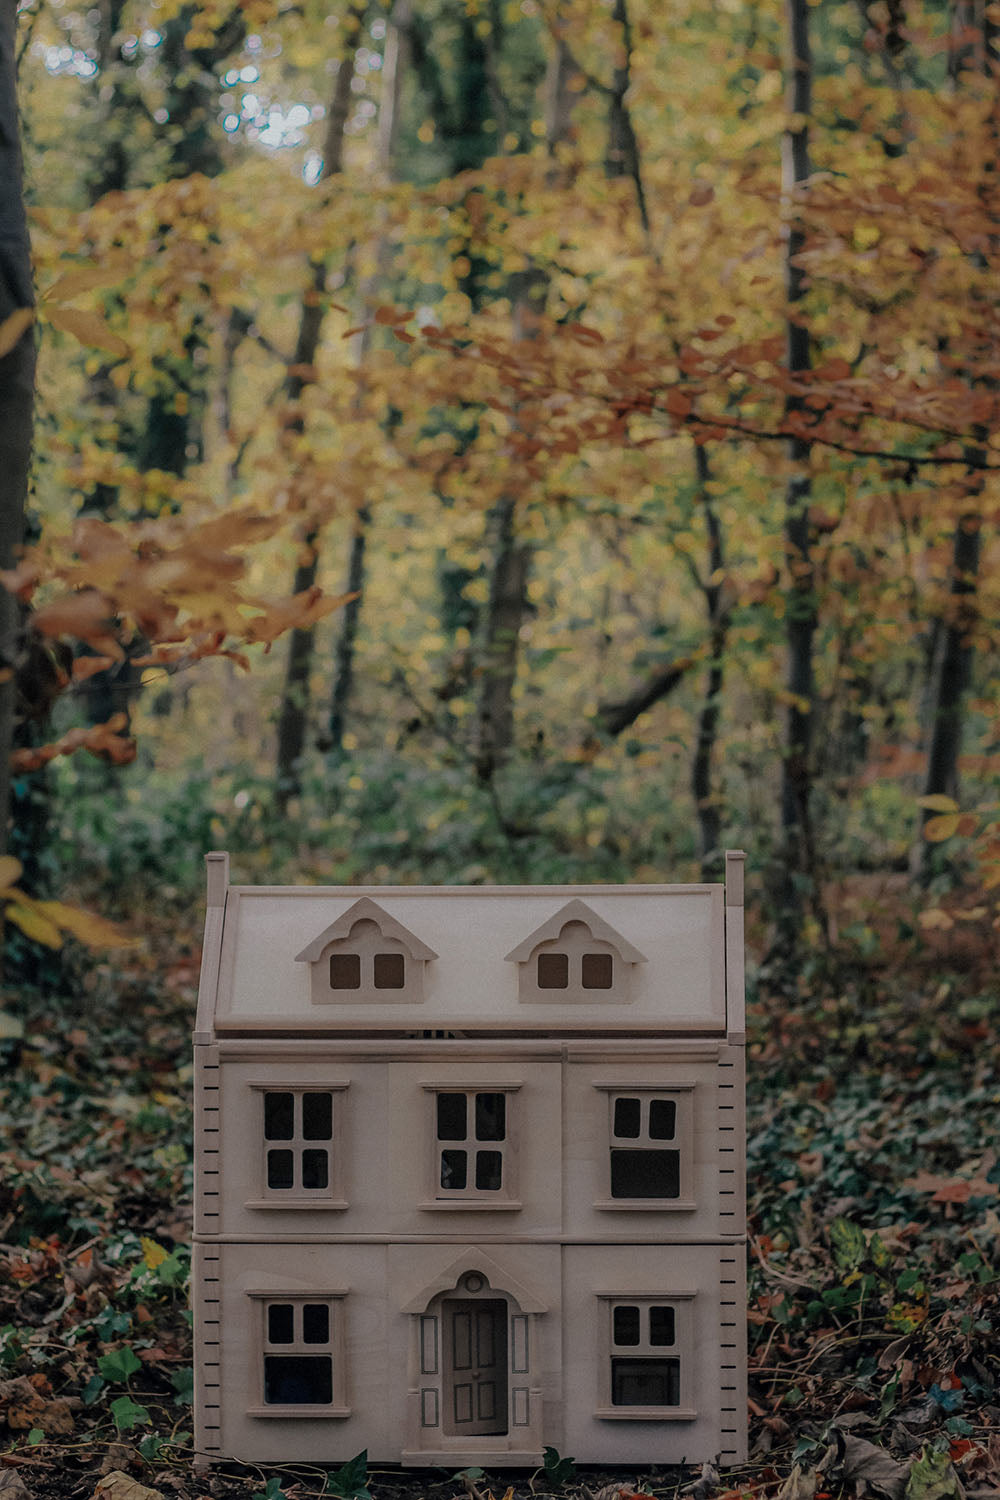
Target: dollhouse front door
pixel 475 1366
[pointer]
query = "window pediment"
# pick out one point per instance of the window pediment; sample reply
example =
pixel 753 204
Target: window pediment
pixel 366 957
pixel 576 956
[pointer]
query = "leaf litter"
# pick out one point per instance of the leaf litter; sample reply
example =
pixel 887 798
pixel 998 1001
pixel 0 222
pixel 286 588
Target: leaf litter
pixel 874 1316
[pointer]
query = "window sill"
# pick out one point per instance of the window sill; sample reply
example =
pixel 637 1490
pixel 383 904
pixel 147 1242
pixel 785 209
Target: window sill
pixel 647 1205
pixel 298 1412
pixel 322 1204
pixel 645 1414
pixel 464 1205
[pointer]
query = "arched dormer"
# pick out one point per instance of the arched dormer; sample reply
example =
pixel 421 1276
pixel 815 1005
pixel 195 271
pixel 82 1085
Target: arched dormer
pixel 575 957
pixel 366 957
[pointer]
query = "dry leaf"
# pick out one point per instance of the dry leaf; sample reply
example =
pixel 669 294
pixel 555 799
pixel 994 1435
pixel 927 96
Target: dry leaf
pixel 89 327
pixel 119 1486
pixel 12 328
pixel 862 1462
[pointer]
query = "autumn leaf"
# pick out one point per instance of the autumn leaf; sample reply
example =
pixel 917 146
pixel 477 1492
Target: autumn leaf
pixel 13 326
pixel 88 666
pixel 84 615
pixel 88 327
pixel 86 278
pixel 936 830
pixel 87 927
pixel 153 1254
pixel 27 915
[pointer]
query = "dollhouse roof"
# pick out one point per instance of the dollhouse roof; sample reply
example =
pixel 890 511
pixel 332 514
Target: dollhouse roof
pixel 364 910
pixel 575 911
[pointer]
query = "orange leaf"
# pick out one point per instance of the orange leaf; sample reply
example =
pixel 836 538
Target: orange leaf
pixel 87 666
pixel 13 327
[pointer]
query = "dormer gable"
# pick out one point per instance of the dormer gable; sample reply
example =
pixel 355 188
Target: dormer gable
pixel 576 956
pixel 366 956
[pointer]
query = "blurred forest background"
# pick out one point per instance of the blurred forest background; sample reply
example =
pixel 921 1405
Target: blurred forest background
pixel 636 388
pixel 511 440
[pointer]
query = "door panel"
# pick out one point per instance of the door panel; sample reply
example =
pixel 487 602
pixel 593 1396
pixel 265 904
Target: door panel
pixel 475 1366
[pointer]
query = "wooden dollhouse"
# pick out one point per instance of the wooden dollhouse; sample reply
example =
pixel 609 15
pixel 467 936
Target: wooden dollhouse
pixel 470 1173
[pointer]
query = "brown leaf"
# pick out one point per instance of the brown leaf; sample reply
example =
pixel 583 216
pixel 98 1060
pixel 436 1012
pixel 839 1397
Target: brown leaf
pixel 88 327
pixel 88 666
pixel 862 1462
pixel 119 1486
pixel 84 615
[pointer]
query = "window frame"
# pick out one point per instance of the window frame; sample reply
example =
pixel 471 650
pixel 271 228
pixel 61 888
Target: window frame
pixel 682 1349
pixel 505 1198
pixel 336 1346
pixel 296 1197
pixel 682 1096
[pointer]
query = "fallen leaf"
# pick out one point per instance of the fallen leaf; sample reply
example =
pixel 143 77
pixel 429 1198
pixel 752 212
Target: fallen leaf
pixel 119 1486
pixel 799 1485
pixel 861 1461
pixel 932 1477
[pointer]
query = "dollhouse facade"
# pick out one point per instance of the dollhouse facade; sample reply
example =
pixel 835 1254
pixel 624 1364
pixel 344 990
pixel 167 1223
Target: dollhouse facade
pixel 470 1174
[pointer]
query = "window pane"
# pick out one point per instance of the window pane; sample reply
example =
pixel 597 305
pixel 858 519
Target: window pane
pixel 454 1169
pixel 489 1170
pixel 553 971
pixel 298 1380
pixel 451 1110
pixel 662 1119
pixel 279 1117
pixel 491 1112
pixel 628 1119
pixel 645 1382
pixel 315 1323
pixel 280 1323
pixel 597 971
pixel 315 1169
pixel 345 971
pixel 626 1325
pixel 645 1174
pixel 390 971
pixel 280 1169
pixel 661 1325
pixel 317 1117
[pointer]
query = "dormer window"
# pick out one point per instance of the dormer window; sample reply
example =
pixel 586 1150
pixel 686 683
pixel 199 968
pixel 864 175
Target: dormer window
pixel 365 956
pixel 575 956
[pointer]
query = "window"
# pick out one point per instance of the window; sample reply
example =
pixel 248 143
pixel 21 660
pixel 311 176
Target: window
pixel 579 964
pixel 473 1157
pixel 388 971
pixel 649 1152
pixel 299 1130
pixel 302 1360
pixel 646 1371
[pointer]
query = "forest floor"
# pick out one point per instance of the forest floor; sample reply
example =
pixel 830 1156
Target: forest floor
pixel 874 1307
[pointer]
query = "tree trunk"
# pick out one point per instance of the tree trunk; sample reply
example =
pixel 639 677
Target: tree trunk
pixel 293 714
pixel 350 616
pixel 706 800
pixel 17 386
pixel 953 673
pixel 794 872
pixel 974 50
pixel 504 616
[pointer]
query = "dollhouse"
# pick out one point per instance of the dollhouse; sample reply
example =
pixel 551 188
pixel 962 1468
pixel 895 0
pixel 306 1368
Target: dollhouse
pixel 469 1173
